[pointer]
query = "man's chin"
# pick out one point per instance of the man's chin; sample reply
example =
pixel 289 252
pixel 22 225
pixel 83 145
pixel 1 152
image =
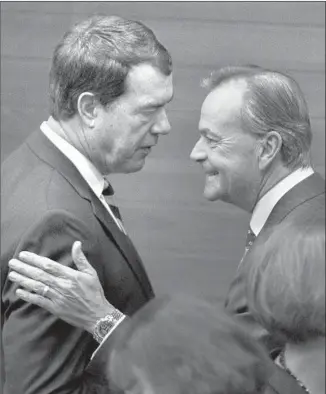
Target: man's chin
pixel 135 166
pixel 212 195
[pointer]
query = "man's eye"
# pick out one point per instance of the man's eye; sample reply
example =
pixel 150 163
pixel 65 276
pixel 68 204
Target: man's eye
pixel 211 141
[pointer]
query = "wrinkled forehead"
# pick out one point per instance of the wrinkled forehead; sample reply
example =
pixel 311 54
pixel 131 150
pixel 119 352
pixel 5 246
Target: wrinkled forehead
pixel 223 104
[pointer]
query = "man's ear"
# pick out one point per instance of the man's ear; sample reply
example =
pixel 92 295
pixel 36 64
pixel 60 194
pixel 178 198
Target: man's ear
pixel 269 149
pixel 87 108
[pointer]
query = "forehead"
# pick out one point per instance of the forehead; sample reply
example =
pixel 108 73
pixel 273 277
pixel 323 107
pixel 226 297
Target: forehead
pixel 146 83
pixel 223 105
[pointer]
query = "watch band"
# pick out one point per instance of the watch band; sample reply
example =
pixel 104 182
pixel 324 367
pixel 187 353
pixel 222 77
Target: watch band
pixel 104 325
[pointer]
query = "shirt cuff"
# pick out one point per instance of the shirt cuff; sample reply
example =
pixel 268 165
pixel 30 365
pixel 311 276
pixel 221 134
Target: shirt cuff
pixel 108 334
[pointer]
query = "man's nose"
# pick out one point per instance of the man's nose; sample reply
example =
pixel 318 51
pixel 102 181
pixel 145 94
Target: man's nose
pixel 198 152
pixel 162 124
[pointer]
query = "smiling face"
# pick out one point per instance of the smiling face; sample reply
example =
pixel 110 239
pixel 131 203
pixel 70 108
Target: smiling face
pixel 227 153
pixel 127 129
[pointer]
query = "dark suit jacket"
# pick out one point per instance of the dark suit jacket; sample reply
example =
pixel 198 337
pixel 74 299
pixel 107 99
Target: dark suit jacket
pixel 45 206
pixel 302 203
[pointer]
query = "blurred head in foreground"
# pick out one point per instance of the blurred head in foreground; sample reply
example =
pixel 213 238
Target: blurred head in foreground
pixel 184 345
pixel 286 281
pixel 286 294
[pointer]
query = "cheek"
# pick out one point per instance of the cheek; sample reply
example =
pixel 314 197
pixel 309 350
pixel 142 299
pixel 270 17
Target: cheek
pixel 244 175
pixel 215 159
pixel 243 160
pixel 224 165
pixel 104 137
pixel 99 146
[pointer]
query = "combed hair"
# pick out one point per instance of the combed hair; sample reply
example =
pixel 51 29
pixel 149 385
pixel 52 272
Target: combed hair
pixel 273 101
pixel 187 345
pixel 96 56
pixel 286 281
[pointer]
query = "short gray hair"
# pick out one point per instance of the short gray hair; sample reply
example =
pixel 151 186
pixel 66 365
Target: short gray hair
pixel 96 56
pixel 286 280
pixel 273 101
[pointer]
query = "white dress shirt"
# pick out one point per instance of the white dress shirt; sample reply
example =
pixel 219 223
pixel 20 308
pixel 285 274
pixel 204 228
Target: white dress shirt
pixel 266 204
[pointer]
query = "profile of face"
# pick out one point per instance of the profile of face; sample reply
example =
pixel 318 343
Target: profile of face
pixel 227 154
pixel 126 130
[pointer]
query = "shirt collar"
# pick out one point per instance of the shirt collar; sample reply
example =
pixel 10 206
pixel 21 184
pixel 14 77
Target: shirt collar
pixel 87 169
pixel 266 204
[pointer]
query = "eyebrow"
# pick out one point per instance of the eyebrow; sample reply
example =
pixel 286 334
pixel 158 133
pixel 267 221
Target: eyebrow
pixel 206 132
pixel 157 105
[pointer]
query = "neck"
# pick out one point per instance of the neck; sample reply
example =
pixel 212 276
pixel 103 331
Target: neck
pixel 307 362
pixel 69 130
pixel 270 179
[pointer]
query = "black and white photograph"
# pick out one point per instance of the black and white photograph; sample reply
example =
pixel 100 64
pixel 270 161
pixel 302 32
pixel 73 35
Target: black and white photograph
pixel 162 197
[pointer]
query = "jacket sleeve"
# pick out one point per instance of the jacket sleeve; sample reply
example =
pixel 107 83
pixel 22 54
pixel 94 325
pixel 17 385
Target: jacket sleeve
pixel 43 354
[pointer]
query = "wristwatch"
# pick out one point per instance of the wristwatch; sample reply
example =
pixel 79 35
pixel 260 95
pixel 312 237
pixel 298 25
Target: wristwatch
pixel 104 325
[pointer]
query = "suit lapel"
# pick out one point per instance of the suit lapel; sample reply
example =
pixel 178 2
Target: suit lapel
pixel 309 188
pixel 123 243
pixel 47 152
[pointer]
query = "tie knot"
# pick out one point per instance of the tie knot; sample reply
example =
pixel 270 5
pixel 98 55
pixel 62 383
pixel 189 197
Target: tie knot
pixel 107 189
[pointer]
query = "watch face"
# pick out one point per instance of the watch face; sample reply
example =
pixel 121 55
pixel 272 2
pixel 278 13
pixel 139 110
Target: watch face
pixel 105 326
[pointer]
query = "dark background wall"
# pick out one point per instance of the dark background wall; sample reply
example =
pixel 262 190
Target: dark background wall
pixel 187 244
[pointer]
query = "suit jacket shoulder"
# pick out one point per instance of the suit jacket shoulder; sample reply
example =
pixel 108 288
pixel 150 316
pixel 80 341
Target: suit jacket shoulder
pixel 305 200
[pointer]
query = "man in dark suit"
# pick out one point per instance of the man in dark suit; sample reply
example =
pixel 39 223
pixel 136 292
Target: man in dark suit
pixel 109 82
pixel 254 147
pixel 255 150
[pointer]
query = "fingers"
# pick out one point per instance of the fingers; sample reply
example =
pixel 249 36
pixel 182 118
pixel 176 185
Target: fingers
pixel 32 272
pixel 35 299
pixel 80 260
pixel 45 264
pixel 31 284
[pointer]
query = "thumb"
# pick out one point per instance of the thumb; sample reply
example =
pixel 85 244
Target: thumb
pixel 80 260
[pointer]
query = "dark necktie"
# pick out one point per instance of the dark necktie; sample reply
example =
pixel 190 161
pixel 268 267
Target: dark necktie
pixel 249 242
pixel 108 194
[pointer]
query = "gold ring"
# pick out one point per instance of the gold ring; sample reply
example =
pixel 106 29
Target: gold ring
pixel 45 291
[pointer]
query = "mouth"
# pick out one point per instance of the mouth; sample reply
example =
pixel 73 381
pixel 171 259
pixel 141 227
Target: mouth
pixel 149 146
pixel 145 150
pixel 212 174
